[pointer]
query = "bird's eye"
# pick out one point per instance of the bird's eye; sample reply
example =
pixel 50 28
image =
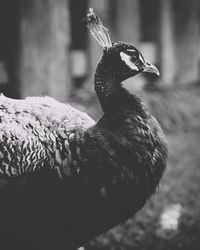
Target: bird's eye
pixel 134 54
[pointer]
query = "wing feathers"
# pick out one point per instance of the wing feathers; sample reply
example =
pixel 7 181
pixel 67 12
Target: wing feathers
pixel 36 132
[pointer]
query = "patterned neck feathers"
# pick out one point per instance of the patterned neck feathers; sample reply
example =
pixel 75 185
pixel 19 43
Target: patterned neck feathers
pixel 112 96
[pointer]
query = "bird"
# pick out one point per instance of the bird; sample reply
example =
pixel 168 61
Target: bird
pixel 65 178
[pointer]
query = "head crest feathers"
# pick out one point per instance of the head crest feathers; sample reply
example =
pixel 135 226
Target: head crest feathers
pixel 99 32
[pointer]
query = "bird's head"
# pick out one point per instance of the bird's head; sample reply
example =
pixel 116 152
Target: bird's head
pixel 124 59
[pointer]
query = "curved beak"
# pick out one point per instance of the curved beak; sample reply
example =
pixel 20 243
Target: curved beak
pixel 148 67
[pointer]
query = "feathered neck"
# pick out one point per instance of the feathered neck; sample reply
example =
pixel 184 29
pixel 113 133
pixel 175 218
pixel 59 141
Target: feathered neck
pixel 112 96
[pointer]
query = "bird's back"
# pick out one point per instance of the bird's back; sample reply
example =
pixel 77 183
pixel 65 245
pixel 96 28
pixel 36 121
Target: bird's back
pixel 35 131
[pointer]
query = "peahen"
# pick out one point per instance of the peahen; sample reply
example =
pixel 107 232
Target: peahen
pixel 64 178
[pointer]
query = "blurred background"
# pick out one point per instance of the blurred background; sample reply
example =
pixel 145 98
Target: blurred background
pixel 46 50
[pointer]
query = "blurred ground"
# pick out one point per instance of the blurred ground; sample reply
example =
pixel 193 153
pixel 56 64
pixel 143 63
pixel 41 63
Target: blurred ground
pixel 171 218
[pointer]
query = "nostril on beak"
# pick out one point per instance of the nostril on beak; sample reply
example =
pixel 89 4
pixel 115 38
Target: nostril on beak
pixel 148 67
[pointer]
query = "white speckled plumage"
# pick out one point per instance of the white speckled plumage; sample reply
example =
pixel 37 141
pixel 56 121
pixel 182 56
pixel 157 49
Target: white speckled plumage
pixel 34 131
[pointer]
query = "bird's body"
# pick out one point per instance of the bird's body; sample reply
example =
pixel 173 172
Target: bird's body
pixel 59 169
pixel 64 178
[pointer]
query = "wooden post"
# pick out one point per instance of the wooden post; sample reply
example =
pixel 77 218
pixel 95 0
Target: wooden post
pixel 168 59
pixel 187 36
pixel 43 51
pixel 128 21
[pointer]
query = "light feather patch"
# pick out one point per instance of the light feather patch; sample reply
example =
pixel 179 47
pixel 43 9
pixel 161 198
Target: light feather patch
pixel 127 59
pixel 99 32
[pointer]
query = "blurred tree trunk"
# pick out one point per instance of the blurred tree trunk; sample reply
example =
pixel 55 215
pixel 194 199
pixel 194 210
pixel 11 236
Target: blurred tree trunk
pixel 180 39
pixel 44 38
pixel 168 60
pixel 187 35
pixel 127 24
